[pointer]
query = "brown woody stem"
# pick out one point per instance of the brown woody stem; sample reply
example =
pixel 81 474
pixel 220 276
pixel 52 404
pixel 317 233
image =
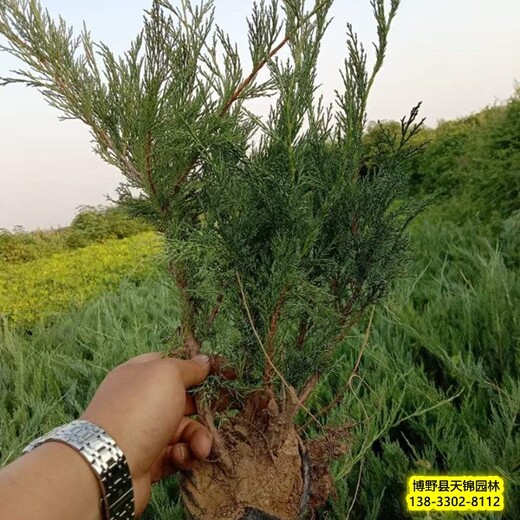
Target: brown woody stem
pixel 191 344
pixel 216 310
pixel 302 332
pixel 148 159
pixel 270 345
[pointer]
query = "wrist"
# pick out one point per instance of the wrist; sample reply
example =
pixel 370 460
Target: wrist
pixel 50 483
pixel 78 470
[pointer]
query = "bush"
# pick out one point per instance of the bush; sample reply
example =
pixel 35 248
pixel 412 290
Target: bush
pixel 471 165
pixel 493 163
pixel 474 165
pixel 439 167
pixel 91 225
pixel 97 224
pixel 35 290
pixel 19 247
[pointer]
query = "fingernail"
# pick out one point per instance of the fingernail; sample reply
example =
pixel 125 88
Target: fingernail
pixel 201 359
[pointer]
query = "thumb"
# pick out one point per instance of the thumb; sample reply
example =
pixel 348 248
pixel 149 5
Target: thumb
pixel 193 371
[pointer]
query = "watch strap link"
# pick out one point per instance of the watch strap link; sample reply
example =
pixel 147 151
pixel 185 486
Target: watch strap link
pixel 106 460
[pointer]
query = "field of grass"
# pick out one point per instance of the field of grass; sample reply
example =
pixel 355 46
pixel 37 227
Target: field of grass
pixel 438 388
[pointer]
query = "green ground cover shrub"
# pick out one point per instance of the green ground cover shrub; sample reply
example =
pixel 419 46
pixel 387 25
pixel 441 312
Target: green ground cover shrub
pixel 436 391
pixel 35 290
pixel 452 331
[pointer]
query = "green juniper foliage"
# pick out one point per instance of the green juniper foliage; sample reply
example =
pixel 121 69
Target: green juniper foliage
pixel 277 242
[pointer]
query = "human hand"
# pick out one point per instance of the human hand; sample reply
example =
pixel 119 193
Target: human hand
pixel 144 406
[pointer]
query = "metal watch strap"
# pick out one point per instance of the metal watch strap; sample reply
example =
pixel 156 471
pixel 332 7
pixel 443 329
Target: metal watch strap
pixel 106 460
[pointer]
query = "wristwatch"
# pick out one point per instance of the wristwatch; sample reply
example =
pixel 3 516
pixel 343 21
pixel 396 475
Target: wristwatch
pixel 105 458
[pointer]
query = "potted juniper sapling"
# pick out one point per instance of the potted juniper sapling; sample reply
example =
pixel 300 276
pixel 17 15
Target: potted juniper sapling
pixel 279 238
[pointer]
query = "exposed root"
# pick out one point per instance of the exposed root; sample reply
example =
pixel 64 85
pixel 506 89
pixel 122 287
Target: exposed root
pixel 333 445
pixel 261 433
pixel 219 448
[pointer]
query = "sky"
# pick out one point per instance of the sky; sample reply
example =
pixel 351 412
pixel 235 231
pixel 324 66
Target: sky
pixel 456 56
